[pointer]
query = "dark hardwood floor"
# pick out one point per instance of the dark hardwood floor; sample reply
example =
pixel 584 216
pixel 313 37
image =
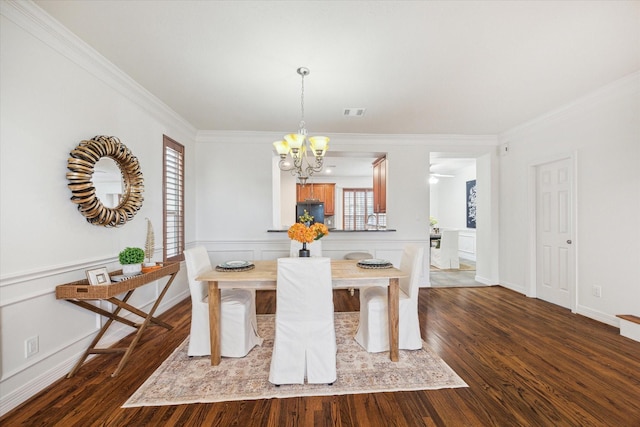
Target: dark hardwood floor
pixel 527 363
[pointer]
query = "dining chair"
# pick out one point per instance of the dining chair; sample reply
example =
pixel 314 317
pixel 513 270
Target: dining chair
pixel 305 338
pixel 315 247
pixel 373 326
pixel 238 326
pixel 445 256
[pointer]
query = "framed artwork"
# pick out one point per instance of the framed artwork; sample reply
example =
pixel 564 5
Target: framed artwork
pixel 471 204
pixel 98 276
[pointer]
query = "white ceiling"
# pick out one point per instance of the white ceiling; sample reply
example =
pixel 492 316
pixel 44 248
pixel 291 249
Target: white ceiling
pixel 418 67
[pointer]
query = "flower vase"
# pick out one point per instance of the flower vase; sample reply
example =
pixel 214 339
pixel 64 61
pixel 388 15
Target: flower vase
pixel 304 252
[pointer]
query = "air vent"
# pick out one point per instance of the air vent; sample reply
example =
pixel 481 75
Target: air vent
pixel 354 112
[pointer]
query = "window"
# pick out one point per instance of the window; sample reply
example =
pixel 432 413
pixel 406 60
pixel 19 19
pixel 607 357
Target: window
pixel 358 210
pixel 173 200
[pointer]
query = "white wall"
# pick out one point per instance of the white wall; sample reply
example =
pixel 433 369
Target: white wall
pixel 56 92
pixel 235 206
pixel 603 130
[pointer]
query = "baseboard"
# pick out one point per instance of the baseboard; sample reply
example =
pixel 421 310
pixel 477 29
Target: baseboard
pixel 514 287
pixel 23 393
pixel 27 391
pixel 484 280
pixel 630 327
pixel 598 315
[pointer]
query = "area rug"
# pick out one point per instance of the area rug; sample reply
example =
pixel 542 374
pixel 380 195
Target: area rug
pixel 182 380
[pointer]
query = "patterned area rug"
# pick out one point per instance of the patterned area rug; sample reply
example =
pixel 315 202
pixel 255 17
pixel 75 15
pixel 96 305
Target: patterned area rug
pixel 181 380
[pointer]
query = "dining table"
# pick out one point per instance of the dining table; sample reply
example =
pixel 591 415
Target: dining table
pixel 345 274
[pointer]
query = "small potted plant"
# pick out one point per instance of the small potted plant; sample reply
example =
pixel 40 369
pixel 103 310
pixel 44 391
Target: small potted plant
pixel 131 260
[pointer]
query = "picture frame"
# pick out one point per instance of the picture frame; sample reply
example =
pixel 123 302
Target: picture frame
pixel 471 204
pixel 98 276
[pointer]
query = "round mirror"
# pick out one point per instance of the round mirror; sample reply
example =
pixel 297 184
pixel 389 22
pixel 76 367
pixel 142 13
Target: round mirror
pixel 107 179
pixel 103 206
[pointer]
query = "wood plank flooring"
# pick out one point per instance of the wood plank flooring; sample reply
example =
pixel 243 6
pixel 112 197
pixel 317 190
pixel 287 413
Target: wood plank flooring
pixel 527 363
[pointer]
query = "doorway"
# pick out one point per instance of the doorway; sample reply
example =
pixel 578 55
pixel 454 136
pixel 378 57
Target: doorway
pixel 450 174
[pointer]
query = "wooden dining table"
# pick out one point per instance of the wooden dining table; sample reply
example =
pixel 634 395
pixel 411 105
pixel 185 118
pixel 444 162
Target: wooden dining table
pixel 345 274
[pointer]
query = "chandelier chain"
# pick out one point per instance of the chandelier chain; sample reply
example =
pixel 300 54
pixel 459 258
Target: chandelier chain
pixel 302 123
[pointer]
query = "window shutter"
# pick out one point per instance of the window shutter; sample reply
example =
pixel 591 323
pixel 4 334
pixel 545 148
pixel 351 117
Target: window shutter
pixel 173 209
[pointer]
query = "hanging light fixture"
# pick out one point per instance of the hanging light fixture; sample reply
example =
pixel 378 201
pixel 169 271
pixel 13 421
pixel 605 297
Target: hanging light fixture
pixel 295 145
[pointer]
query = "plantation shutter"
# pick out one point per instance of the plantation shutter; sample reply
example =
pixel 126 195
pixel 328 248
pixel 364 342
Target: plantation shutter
pixel 173 209
pixel 357 206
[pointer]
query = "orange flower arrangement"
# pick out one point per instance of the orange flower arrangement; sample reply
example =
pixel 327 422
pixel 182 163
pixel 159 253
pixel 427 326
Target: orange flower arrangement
pixel 304 234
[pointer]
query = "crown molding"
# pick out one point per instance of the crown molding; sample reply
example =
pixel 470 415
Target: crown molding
pixel 628 84
pixel 30 17
pixel 213 136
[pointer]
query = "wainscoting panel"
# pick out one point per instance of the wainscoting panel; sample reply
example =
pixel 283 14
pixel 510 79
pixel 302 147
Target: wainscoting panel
pixel 63 330
pixel 467 244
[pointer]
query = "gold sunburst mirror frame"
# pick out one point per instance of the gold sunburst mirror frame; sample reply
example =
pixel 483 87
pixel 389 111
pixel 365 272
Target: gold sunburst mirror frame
pixel 81 166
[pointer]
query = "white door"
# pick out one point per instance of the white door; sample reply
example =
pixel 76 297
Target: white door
pixel 555 254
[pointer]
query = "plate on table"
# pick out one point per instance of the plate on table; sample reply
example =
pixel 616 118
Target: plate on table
pixel 235 266
pixel 374 263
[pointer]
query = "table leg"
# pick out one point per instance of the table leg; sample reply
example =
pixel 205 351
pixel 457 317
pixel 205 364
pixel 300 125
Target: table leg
pixel 393 304
pixel 140 313
pixel 214 322
pixel 92 347
pixel 148 318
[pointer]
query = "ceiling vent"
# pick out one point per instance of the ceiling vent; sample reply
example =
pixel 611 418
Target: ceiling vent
pixel 354 112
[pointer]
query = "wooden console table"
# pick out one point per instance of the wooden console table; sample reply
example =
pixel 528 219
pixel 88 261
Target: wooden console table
pixel 80 292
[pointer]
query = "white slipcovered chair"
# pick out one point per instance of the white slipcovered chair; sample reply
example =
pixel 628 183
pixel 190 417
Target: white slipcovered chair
pixel 446 256
pixel 238 326
pixel 373 327
pixel 314 247
pixel 305 338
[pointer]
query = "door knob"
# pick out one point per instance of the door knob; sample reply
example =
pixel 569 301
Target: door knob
pixel 569 242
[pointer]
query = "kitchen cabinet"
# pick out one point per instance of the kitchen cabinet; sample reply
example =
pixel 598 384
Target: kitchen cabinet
pixel 380 185
pixel 321 192
pixel 329 199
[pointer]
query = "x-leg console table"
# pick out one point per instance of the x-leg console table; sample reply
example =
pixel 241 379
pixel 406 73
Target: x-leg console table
pixel 80 292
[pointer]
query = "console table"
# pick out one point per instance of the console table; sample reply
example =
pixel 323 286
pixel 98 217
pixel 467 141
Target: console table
pixel 80 292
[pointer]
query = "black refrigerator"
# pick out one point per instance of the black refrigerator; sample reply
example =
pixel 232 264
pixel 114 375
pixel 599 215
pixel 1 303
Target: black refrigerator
pixel 315 209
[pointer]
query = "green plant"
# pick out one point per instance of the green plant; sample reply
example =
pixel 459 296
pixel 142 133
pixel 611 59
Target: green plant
pixel 131 256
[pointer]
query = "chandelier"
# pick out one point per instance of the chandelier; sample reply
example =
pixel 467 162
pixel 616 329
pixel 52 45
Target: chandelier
pixel 295 145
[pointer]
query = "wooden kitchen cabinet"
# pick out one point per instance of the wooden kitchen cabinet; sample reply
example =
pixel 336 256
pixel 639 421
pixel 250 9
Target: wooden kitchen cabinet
pixel 380 185
pixel 322 192
pixel 329 199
